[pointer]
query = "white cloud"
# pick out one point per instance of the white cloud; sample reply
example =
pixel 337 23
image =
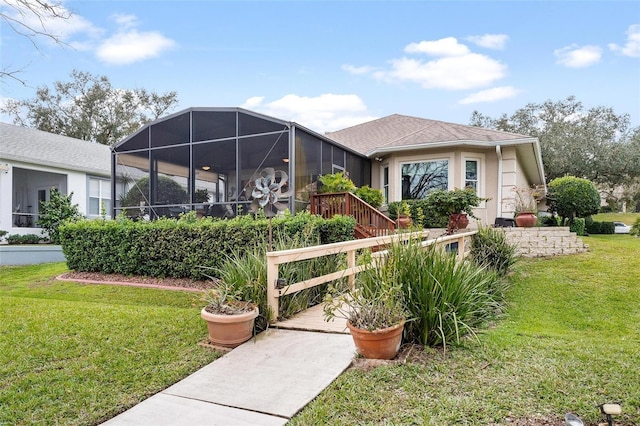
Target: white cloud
pixel 490 95
pixel 352 69
pixel 444 47
pixel 453 73
pixel 490 41
pixel 125 21
pixel 632 46
pixel 578 57
pixel 323 113
pixel 128 45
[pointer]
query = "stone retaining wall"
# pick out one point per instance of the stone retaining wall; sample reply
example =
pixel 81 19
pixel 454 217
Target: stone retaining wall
pixel 545 241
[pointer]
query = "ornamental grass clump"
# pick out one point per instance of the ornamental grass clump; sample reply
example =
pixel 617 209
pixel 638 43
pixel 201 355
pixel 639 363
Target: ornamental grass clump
pixel 490 249
pixel 444 299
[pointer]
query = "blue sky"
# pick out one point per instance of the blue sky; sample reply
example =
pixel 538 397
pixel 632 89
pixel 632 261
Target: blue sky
pixel 331 64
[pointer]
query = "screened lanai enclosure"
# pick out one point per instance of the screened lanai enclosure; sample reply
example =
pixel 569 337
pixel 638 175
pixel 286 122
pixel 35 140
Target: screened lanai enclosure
pixel 207 160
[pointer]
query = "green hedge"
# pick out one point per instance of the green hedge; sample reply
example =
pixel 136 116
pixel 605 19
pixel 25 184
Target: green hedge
pixel 578 226
pixel 180 248
pixel 423 213
pixel 16 239
pixel 593 227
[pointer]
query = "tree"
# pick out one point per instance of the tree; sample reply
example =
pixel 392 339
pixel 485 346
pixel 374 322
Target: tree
pixel 30 19
pixel 55 212
pixel 89 108
pixel 572 197
pixel 596 144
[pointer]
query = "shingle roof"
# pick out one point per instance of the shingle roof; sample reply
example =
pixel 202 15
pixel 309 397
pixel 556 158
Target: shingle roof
pixel 47 149
pixel 401 131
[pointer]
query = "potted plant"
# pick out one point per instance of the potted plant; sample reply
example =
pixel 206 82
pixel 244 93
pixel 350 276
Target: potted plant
pixel 230 320
pixel 457 205
pixel 374 312
pixel 526 205
pixel 404 215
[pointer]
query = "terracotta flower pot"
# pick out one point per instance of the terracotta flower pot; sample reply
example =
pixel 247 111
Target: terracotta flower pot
pixel 404 222
pixel 458 221
pixel 229 330
pixel 526 220
pixel 377 344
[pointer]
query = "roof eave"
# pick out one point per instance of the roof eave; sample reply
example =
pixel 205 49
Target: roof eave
pixel 445 144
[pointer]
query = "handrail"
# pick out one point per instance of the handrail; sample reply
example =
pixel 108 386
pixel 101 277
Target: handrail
pixel 276 258
pixel 369 219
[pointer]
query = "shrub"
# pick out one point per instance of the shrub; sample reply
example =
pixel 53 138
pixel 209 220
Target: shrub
pixel 55 212
pixel 15 239
pixel 445 299
pixel 178 248
pixel 593 227
pixel 572 197
pixel 548 221
pixel 335 182
pixel 578 226
pixel 423 213
pixel 371 196
pixel 635 228
pixel 490 248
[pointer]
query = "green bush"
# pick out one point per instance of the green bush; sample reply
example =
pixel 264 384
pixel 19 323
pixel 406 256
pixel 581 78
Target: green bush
pixel 371 196
pixel 335 182
pixel 55 212
pixel 548 221
pixel 423 213
pixel 490 248
pixel 593 227
pixel 445 299
pixel 572 197
pixel 578 226
pixel 16 239
pixel 635 228
pixel 179 248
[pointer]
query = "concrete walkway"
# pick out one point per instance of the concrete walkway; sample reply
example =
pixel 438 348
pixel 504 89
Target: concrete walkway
pixel 264 381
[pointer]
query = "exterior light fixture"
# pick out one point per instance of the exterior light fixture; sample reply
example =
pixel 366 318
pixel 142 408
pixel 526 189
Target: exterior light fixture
pixel 205 168
pixel 285 160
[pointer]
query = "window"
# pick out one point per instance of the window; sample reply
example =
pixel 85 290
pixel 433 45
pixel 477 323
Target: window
pixel 471 174
pixel 99 194
pixel 385 183
pixel 418 179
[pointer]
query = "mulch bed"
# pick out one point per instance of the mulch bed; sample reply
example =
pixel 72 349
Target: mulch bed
pixel 138 281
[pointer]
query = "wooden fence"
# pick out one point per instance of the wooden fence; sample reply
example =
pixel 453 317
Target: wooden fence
pixel 276 258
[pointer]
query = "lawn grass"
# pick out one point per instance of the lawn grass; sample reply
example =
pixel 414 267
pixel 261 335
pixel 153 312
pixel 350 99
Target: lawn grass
pixel 80 354
pixel 626 218
pixel 570 341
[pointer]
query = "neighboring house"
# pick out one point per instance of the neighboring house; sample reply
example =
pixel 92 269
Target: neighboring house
pixel 32 162
pixel 205 159
pixel 411 156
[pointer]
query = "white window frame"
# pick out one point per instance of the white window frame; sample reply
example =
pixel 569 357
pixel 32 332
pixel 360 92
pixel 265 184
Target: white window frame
pixel 480 160
pixel 101 196
pixel 425 159
pixel 386 186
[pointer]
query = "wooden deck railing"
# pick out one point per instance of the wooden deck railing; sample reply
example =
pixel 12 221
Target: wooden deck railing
pixel 277 258
pixel 370 221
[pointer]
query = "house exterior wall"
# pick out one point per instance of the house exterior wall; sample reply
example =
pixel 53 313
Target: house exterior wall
pixel 487 161
pixel 67 180
pixel 512 176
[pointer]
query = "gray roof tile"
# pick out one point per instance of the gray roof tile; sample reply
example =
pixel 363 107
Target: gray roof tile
pixel 47 149
pixel 402 131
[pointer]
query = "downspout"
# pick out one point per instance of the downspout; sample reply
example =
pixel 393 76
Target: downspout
pixel 499 154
